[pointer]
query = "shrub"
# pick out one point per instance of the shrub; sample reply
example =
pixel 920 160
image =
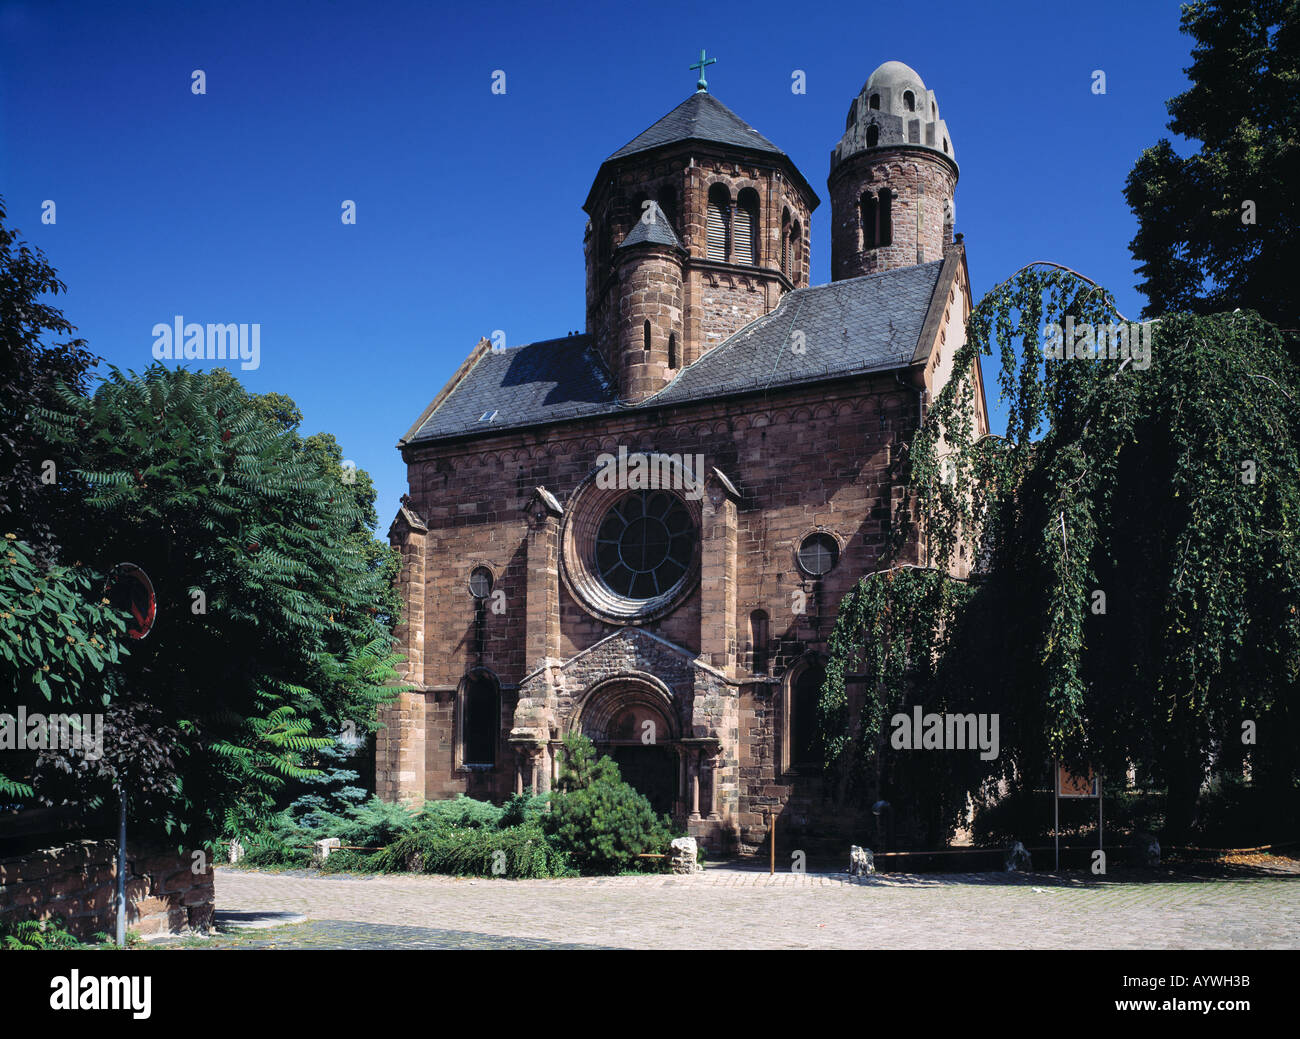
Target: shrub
pixel 601 822
pixel 37 934
pixel 516 851
pixel 460 812
pixel 524 809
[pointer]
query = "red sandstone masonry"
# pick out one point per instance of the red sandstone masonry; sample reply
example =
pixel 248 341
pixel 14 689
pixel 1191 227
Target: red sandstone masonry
pixel 78 882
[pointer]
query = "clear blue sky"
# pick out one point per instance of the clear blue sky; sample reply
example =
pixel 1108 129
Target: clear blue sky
pixel 226 207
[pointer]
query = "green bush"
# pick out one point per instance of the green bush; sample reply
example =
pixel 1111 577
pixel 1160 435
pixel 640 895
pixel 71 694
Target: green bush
pixel 599 821
pixel 37 934
pixel 524 809
pixel 460 812
pixel 516 851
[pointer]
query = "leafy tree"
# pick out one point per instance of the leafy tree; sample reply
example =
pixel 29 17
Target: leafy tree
pixel 1195 248
pixel 31 370
pixel 57 637
pixel 1173 490
pixel 274 612
pixel 599 820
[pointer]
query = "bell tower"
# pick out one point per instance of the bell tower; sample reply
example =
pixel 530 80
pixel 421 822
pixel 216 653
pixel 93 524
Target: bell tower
pixel 698 226
pixel 892 178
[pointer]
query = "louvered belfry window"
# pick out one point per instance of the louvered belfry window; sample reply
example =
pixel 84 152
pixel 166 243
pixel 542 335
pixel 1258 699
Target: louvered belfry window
pixel 719 210
pixel 746 239
pixel 744 235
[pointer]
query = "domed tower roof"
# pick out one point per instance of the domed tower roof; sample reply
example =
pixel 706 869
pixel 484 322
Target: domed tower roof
pixel 894 110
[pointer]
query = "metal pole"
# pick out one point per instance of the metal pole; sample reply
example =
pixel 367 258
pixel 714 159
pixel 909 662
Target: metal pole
pixel 1101 825
pixel 121 863
pixel 1056 804
pixel 772 869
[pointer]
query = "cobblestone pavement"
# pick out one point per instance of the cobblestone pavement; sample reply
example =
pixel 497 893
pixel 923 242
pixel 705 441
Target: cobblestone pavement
pixel 743 908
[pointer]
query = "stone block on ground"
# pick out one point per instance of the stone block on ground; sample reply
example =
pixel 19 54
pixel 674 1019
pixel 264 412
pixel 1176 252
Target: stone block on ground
pixel 861 862
pixel 682 856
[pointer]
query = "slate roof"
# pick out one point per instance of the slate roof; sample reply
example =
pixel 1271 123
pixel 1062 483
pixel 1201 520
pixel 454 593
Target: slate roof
pixel 701 117
pixel 857 325
pixel 658 232
pixel 540 382
pixel 850 327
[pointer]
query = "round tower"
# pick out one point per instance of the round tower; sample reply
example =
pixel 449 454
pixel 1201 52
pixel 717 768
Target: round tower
pixel 892 177
pixel 650 311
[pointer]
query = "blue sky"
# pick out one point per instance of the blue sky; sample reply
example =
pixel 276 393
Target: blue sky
pixel 225 207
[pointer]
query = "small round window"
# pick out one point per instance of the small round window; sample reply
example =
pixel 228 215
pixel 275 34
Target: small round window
pixel 644 544
pixel 480 582
pixel 818 554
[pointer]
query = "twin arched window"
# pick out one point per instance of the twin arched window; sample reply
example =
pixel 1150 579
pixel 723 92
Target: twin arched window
pixel 732 231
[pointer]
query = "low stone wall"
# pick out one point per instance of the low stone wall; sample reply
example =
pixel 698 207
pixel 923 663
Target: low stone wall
pixel 78 882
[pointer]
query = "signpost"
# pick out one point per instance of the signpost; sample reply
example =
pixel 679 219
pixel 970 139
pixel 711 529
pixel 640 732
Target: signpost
pixel 1074 787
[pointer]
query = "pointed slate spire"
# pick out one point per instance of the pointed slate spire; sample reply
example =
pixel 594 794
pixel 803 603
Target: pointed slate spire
pixel 657 231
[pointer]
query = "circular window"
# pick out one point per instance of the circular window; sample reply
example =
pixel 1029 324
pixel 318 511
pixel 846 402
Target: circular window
pixel 818 554
pixel 630 554
pixel 644 545
pixel 480 582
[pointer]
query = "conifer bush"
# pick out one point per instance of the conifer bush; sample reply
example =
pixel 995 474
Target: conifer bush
pixel 601 822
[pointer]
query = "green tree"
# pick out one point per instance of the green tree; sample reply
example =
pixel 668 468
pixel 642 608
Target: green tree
pixel 600 821
pixel 274 612
pixel 1173 490
pixel 31 370
pixel 57 638
pixel 1197 248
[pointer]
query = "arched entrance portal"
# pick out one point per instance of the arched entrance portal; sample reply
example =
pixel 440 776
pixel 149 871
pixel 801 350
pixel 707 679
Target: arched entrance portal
pixel 632 722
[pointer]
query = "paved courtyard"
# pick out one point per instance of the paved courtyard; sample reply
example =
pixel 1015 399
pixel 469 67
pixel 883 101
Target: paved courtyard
pixel 740 908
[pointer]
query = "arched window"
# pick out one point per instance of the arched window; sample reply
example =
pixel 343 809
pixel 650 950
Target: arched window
pixel 886 217
pixel 909 100
pixel 638 210
pixel 746 236
pixel 668 203
pixel 874 102
pixel 672 351
pixel 758 641
pixel 867 214
pixel 796 251
pixel 481 720
pixel 873 135
pixel 785 242
pixel 646 331
pixel 718 219
pixel 805 738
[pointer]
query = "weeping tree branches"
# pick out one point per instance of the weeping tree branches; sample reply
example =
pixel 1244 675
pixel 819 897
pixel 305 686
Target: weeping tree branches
pixel 1139 521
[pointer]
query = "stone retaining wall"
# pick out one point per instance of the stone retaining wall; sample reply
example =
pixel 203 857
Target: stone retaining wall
pixel 78 882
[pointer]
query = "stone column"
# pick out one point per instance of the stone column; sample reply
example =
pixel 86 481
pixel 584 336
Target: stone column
pixel 400 745
pixel 715 763
pixel 542 588
pixel 718 574
pixel 694 767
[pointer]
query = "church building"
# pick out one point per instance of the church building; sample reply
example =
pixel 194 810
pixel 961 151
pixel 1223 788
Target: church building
pixel 642 532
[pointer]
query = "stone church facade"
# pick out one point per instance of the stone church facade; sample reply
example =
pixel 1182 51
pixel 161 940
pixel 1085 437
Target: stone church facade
pixel 642 532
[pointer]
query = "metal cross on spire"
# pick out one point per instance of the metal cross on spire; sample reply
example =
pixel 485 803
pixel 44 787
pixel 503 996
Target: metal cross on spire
pixel 702 64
